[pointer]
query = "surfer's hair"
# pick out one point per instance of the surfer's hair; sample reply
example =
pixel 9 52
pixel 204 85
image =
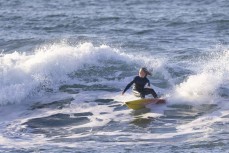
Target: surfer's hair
pixel 145 70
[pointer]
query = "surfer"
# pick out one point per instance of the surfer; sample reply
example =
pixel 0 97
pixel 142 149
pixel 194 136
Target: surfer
pixel 139 82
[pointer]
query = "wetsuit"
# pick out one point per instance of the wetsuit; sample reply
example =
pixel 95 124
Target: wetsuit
pixel 138 88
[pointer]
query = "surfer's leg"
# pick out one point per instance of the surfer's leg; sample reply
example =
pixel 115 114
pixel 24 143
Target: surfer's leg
pixel 139 94
pixel 142 95
pixel 150 91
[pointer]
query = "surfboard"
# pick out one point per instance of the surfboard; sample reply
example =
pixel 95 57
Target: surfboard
pixel 141 103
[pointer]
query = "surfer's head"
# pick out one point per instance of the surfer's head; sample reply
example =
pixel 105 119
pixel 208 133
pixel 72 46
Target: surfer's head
pixel 143 72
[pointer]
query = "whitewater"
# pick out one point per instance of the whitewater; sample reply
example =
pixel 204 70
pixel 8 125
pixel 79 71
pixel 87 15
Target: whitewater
pixel 65 95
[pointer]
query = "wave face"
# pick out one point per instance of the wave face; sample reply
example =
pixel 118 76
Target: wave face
pixel 74 91
pixel 25 75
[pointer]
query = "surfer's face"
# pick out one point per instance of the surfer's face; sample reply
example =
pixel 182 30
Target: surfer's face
pixel 141 73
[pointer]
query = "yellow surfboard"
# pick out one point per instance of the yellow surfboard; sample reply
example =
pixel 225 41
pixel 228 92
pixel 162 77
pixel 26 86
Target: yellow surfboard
pixel 141 103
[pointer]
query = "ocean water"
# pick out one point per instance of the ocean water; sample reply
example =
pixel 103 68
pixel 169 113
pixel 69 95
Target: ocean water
pixel 64 64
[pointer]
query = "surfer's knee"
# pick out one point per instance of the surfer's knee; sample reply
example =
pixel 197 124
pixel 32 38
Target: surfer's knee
pixel 142 95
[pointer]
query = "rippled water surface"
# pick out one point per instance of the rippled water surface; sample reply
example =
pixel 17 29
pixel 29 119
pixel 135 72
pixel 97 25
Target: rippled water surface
pixel 63 65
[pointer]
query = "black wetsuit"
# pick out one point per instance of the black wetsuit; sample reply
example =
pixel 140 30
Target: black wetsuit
pixel 138 88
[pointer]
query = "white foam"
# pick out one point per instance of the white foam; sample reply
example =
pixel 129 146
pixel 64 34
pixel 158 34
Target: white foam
pixel 24 75
pixel 211 74
pixel 204 123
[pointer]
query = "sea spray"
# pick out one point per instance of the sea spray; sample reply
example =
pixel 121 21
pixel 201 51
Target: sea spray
pixel 210 76
pixel 25 75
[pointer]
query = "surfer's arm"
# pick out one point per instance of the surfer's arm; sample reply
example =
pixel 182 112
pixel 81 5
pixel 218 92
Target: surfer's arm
pixel 148 83
pixel 127 87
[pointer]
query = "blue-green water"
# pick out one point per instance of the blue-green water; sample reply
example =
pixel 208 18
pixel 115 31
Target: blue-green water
pixel 63 65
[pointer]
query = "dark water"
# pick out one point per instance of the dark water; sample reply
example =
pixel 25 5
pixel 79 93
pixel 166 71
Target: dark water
pixel 63 65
